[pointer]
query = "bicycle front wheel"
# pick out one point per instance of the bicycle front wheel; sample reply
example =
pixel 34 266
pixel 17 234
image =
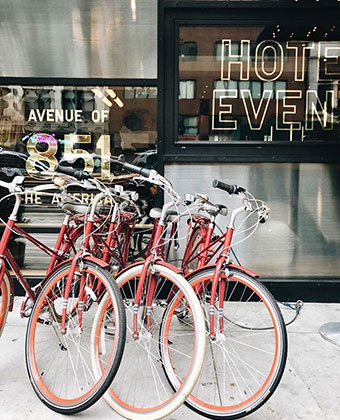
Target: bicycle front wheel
pixel 140 389
pixel 60 365
pixel 246 360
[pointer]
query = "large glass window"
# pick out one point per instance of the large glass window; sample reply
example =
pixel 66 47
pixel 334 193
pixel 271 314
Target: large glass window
pixel 70 123
pixel 82 120
pixel 276 83
pixel 301 239
pixel 79 39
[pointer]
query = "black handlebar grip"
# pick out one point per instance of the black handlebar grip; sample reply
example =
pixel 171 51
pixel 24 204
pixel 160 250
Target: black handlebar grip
pixel 66 170
pixel 76 173
pixel 133 168
pixel 230 189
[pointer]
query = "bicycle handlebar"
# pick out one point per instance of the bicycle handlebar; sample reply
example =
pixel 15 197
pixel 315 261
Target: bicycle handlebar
pixel 45 187
pixel 12 153
pixel 76 173
pixel 133 168
pixel 230 189
pixel 11 186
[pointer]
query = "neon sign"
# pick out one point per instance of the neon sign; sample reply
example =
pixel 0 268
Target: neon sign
pixel 299 107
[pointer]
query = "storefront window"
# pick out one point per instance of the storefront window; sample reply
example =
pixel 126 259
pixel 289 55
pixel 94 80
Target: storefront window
pixel 54 123
pixel 81 120
pixel 275 83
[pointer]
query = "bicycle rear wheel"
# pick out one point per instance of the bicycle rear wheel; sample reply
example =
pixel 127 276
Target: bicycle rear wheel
pixel 5 297
pixel 244 364
pixel 140 389
pixel 59 365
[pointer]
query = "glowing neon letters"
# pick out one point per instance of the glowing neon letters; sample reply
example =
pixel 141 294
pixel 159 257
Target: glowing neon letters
pixel 299 65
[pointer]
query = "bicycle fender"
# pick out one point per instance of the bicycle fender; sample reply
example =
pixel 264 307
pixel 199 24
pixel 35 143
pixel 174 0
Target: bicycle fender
pixel 198 270
pixel 55 268
pixel 168 265
pixel 129 266
pixel 96 261
pixel 2 269
pixel 141 263
pixel 85 258
pixel 244 270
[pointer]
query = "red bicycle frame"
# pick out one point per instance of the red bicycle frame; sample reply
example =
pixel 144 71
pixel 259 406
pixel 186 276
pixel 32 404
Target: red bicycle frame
pixel 126 224
pixel 155 252
pixel 207 250
pixel 57 254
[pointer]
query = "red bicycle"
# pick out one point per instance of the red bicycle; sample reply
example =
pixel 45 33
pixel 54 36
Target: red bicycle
pixel 148 287
pixel 60 330
pixel 247 343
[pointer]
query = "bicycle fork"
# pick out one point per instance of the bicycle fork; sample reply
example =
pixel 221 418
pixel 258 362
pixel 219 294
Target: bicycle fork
pixel 81 294
pixel 148 298
pixel 220 281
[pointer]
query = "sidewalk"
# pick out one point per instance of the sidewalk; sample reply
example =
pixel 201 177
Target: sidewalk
pixel 309 388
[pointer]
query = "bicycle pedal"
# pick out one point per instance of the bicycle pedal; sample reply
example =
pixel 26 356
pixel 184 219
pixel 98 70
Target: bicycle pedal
pixel 207 298
pixel 181 313
pixel 44 321
pixel 110 330
pixel 26 308
pixel 77 273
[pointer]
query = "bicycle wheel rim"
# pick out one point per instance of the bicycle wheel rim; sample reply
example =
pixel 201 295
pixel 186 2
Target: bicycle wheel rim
pixel 71 395
pixel 143 406
pixel 220 399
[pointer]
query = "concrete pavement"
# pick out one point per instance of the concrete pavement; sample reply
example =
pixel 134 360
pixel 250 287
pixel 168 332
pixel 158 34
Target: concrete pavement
pixel 309 388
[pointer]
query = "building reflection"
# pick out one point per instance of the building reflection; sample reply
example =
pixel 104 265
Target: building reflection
pixel 262 83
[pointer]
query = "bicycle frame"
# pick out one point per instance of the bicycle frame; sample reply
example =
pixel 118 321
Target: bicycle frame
pixel 204 245
pixel 154 253
pixel 113 242
pixel 203 257
pixel 66 239
pixel 84 254
pixel 6 255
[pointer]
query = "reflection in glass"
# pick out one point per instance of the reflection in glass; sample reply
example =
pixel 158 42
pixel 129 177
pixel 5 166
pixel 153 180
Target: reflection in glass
pixel 260 83
pixel 71 123
pixel 125 115
pixel 302 237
